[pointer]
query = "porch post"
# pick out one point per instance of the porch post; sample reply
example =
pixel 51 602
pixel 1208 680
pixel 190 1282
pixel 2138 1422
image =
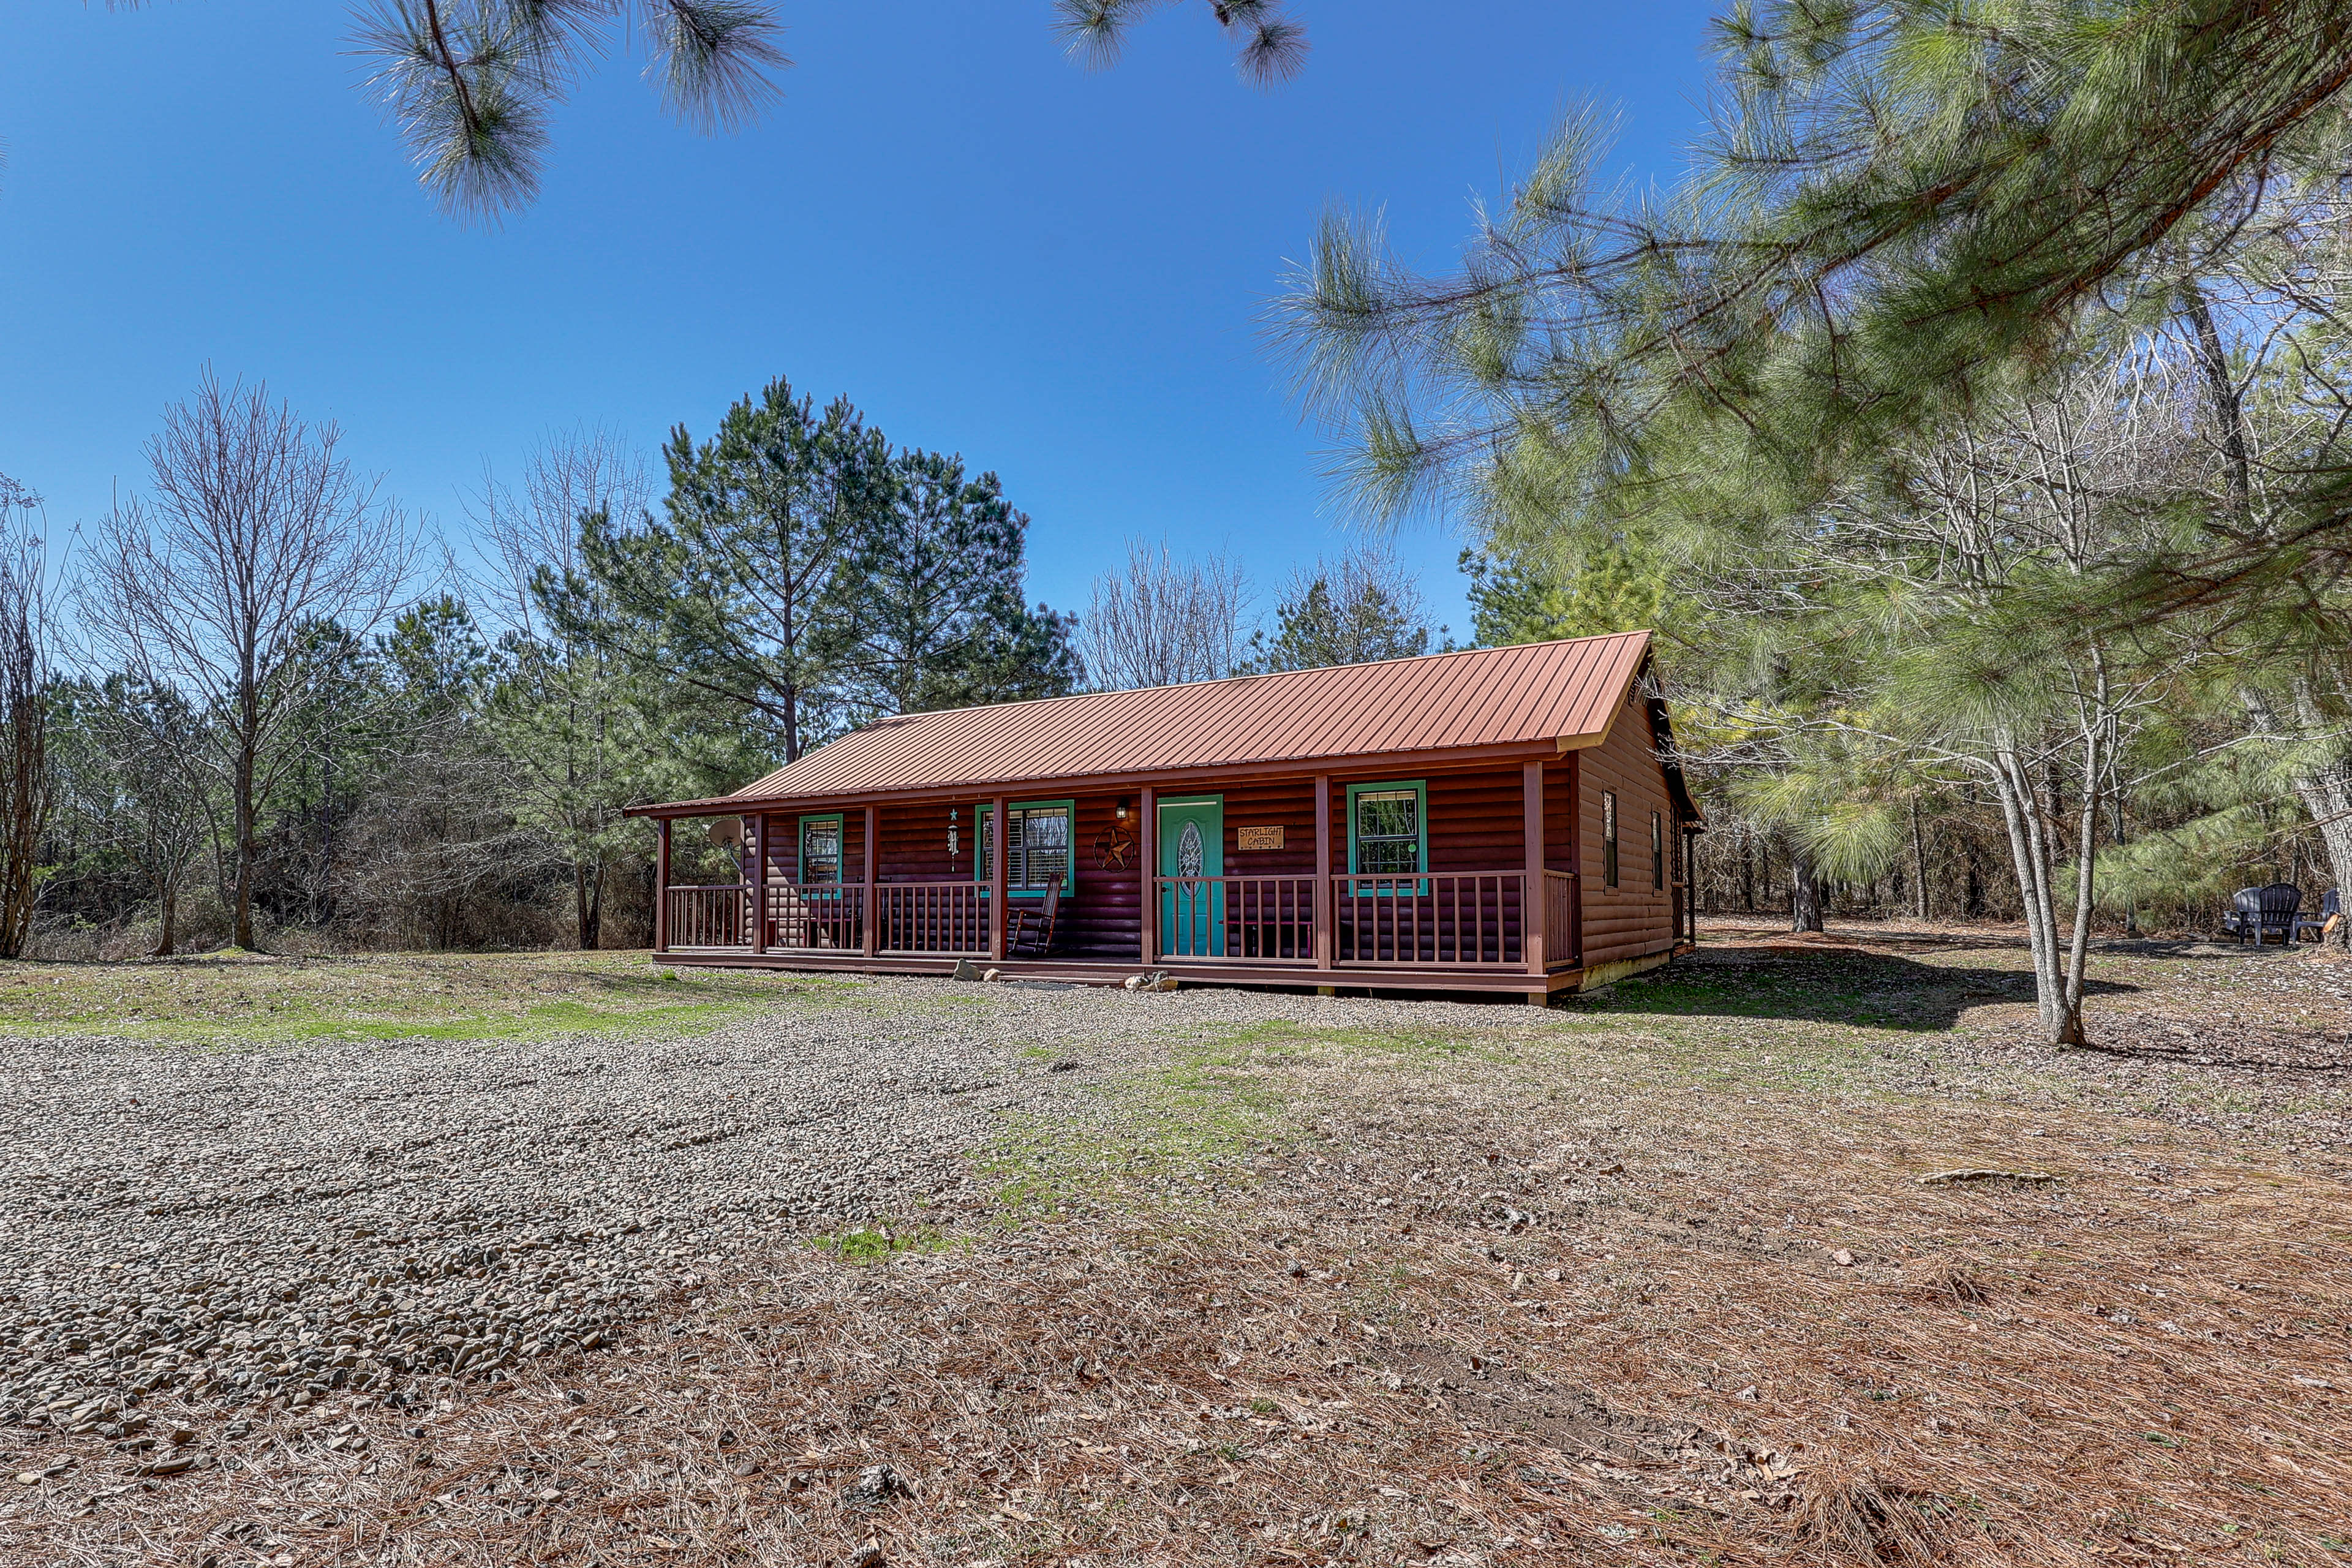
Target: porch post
pixel 1576 857
pixel 661 886
pixel 866 927
pixel 997 912
pixel 759 879
pixel 1532 901
pixel 1324 913
pixel 1147 858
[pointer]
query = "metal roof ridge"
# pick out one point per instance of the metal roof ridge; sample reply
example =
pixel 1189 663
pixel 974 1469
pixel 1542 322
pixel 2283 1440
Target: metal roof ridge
pixel 1232 679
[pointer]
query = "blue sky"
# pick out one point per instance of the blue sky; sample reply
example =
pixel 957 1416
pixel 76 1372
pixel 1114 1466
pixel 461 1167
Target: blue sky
pixel 1058 273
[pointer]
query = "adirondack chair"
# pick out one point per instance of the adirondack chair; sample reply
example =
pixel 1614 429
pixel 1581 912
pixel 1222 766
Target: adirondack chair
pixel 2330 907
pixel 1029 928
pixel 2257 912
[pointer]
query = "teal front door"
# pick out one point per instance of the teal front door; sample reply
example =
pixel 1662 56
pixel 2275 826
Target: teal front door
pixel 1192 844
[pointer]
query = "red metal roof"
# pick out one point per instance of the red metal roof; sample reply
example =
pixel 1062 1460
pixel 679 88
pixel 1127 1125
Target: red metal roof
pixel 1566 693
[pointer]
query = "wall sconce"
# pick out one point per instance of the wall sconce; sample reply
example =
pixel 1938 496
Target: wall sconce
pixel 1122 808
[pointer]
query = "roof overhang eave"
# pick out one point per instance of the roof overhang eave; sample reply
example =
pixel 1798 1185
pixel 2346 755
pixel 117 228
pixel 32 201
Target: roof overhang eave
pixel 1284 767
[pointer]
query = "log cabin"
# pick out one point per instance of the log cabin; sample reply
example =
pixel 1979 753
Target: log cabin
pixel 1506 820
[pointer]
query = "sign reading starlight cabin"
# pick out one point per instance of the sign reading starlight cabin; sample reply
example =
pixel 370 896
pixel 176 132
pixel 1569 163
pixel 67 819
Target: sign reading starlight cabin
pixel 1501 819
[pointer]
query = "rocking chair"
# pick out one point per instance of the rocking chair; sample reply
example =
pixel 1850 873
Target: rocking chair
pixel 1029 931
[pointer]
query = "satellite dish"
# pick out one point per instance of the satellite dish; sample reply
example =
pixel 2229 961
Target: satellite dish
pixel 727 832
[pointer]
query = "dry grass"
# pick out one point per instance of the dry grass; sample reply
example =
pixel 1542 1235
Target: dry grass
pixel 241 997
pixel 1532 1294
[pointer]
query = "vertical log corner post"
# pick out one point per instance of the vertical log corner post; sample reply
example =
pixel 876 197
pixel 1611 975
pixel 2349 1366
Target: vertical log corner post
pixel 758 882
pixel 1147 859
pixel 661 885
pixel 869 927
pixel 1537 894
pixel 1575 932
pixel 1327 913
pixel 999 840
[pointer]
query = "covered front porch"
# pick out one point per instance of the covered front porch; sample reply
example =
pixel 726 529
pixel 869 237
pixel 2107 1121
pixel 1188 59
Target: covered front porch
pixel 1223 887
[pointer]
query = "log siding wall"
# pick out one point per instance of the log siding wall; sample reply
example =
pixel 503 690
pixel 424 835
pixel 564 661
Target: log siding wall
pixel 1634 919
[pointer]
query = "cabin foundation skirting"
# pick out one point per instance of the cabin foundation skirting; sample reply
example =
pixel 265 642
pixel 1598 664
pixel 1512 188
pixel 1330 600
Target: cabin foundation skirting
pixel 1601 974
pixel 1075 972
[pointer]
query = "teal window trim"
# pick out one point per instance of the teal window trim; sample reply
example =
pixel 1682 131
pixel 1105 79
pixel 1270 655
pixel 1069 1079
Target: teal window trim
pixel 1420 788
pixel 800 845
pixel 983 817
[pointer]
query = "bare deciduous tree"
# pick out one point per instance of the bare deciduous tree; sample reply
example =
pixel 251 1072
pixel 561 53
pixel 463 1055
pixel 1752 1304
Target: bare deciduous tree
pixel 564 720
pixel 1365 606
pixel 257 533
pixel 592 470
pixel 1157 621
pixel 154 811
pixel 26 795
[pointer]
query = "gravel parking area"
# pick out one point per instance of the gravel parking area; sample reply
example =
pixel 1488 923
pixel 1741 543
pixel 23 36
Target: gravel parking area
pixel 233 1224
pixel 1243 1274
pixel 223 1225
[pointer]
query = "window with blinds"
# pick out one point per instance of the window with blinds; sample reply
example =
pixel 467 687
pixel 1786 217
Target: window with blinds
pixel 1036 845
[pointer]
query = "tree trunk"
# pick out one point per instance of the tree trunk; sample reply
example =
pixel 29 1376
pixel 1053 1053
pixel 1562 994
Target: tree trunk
pixel 2023 812
pixel 591 913
pixel 27 795
pixel 1919 867
pixel 2323 788
pixel 1804 894
pixel 243 935
pixel 170 899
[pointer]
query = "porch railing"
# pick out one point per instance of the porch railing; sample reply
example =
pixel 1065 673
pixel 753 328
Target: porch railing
pixel 1563 931
pixel 709 916
pixel 1434 920
pixel 815 917
pixel 948 919
pixel 1438 920
pixel 1249 919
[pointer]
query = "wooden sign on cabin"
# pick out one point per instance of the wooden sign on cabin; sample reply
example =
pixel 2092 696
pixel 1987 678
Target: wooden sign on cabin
pixel 1257 837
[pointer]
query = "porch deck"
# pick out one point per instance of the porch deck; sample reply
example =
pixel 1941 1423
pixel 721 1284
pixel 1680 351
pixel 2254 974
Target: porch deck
pixel 1436 930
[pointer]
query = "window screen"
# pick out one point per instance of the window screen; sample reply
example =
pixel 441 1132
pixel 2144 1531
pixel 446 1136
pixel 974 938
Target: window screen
pixel 1608 838
pixel 1657 850
pixel 820 850
pixel 1388 832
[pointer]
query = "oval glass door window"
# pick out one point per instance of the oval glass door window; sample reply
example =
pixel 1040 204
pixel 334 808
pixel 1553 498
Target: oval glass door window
pixel 1188 850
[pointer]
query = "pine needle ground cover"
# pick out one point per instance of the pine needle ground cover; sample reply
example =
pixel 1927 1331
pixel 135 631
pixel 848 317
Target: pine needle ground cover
pixel 259 998
pixel 1684 1275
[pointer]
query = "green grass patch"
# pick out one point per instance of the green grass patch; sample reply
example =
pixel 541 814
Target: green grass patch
pixel 1155 1139
pixel 225 999
pixel 880 1244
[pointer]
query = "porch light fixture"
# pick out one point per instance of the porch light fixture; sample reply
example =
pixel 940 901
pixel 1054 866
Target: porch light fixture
pixel 1122 808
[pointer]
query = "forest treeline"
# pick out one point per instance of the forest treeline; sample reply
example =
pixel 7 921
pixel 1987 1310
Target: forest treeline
pixel 260 707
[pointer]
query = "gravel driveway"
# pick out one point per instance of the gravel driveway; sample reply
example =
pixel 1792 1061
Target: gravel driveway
pixel 228 1224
